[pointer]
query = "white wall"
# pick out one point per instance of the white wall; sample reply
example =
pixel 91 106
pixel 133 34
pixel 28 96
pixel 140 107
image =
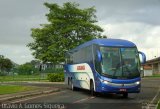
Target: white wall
pixel 147 72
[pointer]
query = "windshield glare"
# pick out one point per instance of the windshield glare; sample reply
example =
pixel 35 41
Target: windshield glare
pixel 120 62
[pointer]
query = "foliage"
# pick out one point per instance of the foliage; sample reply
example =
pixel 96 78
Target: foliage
pixel 26 69
pixel 55 77
pixel 68 27
pixel 33 67
pixel 5 64
pixel 35 62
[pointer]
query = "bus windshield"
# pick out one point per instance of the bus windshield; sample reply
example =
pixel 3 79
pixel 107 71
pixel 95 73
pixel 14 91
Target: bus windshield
pixel 120 62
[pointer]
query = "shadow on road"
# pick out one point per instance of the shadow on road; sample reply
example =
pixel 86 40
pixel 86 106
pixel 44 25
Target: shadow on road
pixel 103 95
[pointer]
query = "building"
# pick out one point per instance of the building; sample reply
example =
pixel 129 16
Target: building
pixel 154 64
pixel 147 70
pixel 48 65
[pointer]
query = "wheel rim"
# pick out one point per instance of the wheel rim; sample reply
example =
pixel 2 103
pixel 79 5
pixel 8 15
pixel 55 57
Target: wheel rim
pixel 71 85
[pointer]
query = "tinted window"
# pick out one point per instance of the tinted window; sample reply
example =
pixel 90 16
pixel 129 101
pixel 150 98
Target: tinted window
pixel 120 62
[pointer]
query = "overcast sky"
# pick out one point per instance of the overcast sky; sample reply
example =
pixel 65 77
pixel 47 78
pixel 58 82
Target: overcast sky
pixel 134 20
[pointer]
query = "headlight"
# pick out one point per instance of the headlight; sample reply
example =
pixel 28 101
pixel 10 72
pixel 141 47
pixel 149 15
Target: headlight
pixel 138 82
pixel 104 81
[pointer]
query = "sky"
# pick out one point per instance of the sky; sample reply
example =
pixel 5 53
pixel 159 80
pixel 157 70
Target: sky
pixel 134 20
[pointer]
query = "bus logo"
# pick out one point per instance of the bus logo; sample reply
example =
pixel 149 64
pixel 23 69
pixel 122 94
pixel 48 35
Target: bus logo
pixel 81 67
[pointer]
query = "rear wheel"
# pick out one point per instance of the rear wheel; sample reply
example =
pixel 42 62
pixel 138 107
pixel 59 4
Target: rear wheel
pixel 72 85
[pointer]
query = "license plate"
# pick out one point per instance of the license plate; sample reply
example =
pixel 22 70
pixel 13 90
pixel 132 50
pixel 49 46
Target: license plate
pixel 122 90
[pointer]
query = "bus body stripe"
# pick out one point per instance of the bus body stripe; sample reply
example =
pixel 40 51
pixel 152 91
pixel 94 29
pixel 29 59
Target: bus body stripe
pixel 83 73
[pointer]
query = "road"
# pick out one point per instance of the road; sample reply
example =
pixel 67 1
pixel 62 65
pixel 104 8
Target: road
pixel 150 94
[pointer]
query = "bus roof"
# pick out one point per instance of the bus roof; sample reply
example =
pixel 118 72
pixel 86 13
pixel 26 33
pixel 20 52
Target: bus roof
pixel 107 42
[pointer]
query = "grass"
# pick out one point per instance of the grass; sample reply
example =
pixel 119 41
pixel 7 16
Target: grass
pixel 23 78
pixel 158 107
pixel 155 75
pixel 9 89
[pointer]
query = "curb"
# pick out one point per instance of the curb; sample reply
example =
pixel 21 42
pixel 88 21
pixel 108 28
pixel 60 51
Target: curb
pixel 27 95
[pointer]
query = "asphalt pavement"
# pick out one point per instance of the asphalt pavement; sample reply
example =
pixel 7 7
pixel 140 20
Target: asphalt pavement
pixel 81 99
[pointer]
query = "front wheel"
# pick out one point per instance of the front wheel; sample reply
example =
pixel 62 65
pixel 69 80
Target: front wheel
pixel 125 95
pixel 92 88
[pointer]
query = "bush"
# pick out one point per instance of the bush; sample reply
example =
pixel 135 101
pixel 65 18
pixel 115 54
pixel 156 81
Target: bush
pixel 55 77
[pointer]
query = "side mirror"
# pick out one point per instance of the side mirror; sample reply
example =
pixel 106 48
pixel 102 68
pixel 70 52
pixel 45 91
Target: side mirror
pixel 142 57
pixel 99 56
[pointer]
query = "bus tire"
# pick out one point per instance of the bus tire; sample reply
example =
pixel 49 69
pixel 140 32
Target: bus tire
pixel 72 85
pixel 69 83
pixel 92 88
pixel 125 95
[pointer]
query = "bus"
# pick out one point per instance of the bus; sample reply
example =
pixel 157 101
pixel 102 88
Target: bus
pixel 105 66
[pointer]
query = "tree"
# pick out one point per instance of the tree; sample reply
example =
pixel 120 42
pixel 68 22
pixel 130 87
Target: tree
pixel 26 69
pixel 5 64
pixel 68 27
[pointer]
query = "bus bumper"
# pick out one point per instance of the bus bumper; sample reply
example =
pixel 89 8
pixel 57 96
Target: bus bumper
pixel 119 89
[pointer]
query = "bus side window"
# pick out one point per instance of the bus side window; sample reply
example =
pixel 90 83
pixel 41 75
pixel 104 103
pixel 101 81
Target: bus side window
pixel 69 59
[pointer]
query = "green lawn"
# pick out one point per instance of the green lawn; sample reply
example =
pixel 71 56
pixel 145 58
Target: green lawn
pixel 23 78
pixel 158 105
pixel 155 75
pixel 9 89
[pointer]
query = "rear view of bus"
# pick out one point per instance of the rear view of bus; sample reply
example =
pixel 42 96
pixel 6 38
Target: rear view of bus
pixel 111 66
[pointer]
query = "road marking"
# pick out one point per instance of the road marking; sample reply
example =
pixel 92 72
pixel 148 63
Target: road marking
pixel 151 103
pixel 155 95
pixel 84 99
pixel 36 97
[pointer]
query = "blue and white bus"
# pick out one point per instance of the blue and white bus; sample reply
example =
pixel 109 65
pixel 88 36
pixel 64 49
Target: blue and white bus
pixel 105 65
